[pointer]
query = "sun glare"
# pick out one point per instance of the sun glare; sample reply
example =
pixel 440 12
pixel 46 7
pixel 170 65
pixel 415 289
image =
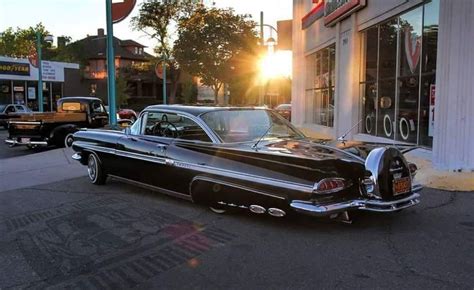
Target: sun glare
pixel 276 64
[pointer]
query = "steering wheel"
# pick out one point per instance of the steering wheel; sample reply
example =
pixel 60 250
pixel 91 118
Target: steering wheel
pixel 165 129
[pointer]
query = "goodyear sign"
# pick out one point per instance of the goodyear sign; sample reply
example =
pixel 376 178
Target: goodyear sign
pixel 14 68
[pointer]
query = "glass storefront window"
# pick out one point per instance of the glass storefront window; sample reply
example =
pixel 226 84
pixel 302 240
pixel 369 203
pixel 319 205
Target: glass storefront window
pixel 5 92
pixel 320 79
pixel 397 78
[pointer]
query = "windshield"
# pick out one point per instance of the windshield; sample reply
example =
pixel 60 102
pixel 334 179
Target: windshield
pixel 249 125
pixel 2 107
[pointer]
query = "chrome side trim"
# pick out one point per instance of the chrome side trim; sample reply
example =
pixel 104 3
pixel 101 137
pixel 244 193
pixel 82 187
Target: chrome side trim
pixel 25 122
pixel 151 187
pixel 203 168
pixel 231 184
pixel 15 142
pixel 309 208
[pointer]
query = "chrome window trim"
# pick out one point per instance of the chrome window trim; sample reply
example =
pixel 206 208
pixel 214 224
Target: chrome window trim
pixel 214 138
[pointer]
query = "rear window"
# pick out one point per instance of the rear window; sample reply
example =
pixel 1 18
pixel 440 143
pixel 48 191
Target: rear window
pixel 71 106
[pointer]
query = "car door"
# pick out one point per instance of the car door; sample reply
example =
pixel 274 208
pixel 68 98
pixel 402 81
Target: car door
pixel 191 150
pixel 142 152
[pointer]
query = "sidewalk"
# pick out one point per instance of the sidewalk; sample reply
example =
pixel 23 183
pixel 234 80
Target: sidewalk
pixel 40 168
pixel 431 177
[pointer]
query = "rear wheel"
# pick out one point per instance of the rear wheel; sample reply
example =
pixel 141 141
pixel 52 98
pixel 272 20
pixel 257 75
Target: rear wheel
pixel 95 170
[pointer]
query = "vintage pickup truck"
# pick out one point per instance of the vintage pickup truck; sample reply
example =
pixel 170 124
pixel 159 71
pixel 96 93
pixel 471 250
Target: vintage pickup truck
pixel 57 128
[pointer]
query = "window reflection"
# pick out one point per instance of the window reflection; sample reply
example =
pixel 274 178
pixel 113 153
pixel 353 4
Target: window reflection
pixel 320 82
pixel 398 104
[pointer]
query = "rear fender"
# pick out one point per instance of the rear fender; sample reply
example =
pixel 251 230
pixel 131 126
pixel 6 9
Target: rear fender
pixel 209 190
pixel 60 132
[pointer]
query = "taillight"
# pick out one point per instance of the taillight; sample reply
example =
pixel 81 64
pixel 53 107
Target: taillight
pixel 331 185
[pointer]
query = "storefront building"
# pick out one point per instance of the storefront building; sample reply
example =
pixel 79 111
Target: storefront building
pixel 393 70
pixel 19 82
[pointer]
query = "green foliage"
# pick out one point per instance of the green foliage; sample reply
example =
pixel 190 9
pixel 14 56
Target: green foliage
pixel 22 42
pixel 159 17
pixel 213 43
pixel 121 91
pixel 188 92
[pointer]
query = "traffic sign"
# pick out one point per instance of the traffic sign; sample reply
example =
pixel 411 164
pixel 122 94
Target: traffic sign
pixel 121 9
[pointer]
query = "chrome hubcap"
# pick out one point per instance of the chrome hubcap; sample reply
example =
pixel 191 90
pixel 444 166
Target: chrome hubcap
pixel 92 167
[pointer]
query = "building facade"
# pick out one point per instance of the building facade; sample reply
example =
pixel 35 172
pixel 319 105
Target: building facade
pixel 19 82
pixel 133 65
pixel 391 70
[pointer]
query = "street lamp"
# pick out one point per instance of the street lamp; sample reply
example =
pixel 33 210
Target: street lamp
pixel 164 61
pixel 47 38
pixel 270 42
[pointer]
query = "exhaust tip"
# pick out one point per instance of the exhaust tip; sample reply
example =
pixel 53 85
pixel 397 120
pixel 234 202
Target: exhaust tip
pixel 276 212
pixel 257 209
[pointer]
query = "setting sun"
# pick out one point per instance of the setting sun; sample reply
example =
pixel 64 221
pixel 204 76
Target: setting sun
pixel 276 64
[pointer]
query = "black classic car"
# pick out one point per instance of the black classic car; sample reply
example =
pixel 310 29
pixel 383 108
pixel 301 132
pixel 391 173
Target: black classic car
pixel 248 158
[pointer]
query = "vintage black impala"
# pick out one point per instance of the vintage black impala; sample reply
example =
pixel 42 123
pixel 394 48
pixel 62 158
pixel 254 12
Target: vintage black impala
pixel 248 158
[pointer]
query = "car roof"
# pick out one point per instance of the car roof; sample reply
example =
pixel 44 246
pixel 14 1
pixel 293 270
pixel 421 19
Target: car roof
pixel 75 98
pixel 198 110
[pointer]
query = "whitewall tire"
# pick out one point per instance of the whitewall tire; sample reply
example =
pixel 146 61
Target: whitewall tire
pixel 95 170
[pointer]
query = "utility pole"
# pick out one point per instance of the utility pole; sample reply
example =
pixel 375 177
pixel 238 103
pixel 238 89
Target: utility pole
pixel 111 66
pixel 40 71
pixel 164 79
pixel 262 42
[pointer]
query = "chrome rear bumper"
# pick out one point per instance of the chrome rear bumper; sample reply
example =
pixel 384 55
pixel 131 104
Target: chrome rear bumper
pixel 15 142
pixel 310 208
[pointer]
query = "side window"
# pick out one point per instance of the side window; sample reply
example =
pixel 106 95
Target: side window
pixel 97 107
pixel 135 128
pixel 20 109
pixel 172 125
pixel 10 109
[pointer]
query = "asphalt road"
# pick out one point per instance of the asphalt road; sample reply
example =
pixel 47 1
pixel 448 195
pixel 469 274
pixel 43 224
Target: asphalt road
pixel 74 234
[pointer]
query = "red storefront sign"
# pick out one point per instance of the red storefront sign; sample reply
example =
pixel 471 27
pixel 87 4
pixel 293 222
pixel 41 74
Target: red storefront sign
pixel 336 10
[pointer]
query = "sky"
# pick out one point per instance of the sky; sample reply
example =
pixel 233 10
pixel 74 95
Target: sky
pixel 78 18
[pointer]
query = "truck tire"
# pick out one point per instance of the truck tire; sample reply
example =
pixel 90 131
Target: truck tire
pixel 95 170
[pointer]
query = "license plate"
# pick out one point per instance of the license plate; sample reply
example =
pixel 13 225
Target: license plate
pixel 25 140
pixel 401 185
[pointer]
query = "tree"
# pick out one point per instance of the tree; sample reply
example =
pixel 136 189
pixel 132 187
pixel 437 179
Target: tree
pixel 22 42
pixel 121 91
pixel 157 18
pixel 211 42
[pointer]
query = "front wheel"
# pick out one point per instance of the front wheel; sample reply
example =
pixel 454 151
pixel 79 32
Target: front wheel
pixel 68 140
pixel 95 170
